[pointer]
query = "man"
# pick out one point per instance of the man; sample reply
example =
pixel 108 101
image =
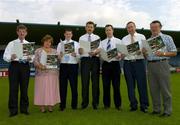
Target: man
pixel 111 70
pixel 159 73
pixel 135 71
pixel 19 73
pixel 68 70
pixel 90 66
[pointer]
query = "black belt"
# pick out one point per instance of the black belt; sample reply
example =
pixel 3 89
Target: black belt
pixel 161 60
pixel 20 62
pixel 89 57
pixel 134 60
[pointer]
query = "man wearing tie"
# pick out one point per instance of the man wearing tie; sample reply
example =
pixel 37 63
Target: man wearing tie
pixel 68 70
pixel 90 68
pixel 19 73
pixel 111 70
pixel 135 71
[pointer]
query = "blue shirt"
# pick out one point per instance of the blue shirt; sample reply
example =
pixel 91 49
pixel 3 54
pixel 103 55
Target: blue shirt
pixel 169 47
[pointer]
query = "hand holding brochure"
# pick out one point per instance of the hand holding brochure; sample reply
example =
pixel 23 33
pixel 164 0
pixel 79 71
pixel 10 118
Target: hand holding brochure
pixel 28 49
pixel 49 60
pixel 89 46
pixel 133 48
pixel 95 44
pixel 156 43
pixel 108 55
pixel 52 61
pixel 69 48
pixel 24 50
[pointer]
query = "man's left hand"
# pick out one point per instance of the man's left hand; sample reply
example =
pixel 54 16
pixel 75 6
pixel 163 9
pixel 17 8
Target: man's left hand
pixel 159 53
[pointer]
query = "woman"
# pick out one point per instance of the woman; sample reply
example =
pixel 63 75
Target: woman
pixel 46 80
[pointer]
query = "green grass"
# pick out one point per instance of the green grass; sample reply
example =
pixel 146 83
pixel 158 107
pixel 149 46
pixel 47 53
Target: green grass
pixel 89 116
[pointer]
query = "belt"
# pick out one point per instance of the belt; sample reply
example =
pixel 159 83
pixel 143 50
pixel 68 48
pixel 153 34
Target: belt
pixel 154 61
pixel 89 57
pixel 21 62
pixel 112 62
pixel 134 60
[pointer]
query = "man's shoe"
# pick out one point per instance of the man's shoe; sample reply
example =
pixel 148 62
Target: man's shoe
pixel 133 109
pixel 95 107
pixel 118 108
pixel 155 113
pixel 25 112
pixel 106 107
pixel 144 110
pixel 12 114
pixel 84 107
pixel 74 108
pixel 165 115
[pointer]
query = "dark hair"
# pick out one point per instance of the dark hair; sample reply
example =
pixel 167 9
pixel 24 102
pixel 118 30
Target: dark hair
pixel 129 23
pixel 91 22
pixel 21 26
pixel 109 25
pixel 156 21
pixel 47 37
pixel 68 30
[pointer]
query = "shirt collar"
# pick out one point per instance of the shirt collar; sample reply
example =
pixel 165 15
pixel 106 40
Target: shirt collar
pixel 22 40
pixel 160 34
pixel 135 34
pixel 66 41
pixel 110 38
pixel 89 34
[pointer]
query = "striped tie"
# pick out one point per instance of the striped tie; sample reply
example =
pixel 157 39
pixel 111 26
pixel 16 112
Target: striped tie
pixel 108 45
pixel 89 38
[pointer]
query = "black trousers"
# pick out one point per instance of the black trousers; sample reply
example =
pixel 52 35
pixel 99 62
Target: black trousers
pixel 90 68
pixel 135 72
pixel 111 73
pixel 68 72
pixel 19 74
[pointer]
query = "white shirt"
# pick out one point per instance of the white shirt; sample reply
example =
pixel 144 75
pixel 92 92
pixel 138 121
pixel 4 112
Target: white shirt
pixel 113 42
pixel 85 39
pixel 10 50
pixel 137 38
pixel 67 58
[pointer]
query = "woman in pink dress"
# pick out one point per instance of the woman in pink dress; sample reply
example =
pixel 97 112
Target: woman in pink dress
pixel 46 80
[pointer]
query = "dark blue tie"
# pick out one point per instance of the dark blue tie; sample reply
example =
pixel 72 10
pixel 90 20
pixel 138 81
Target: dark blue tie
pixel 108 45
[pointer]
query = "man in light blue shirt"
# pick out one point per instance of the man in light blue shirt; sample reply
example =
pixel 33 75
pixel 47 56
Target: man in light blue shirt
pixel 159 73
